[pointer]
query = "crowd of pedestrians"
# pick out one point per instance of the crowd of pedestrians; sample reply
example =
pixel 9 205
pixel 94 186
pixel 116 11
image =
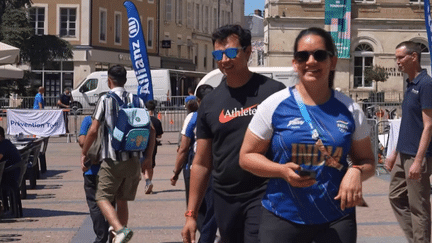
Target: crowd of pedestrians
pixel 263 162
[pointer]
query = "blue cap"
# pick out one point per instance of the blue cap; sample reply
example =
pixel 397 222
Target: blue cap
pixel 189 98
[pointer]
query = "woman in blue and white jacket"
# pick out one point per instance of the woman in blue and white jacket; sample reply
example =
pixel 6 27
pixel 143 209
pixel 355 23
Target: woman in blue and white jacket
pixel 300 138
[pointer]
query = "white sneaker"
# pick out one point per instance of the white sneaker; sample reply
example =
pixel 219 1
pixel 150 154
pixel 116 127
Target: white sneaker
pixel 149 188
pixel 122 236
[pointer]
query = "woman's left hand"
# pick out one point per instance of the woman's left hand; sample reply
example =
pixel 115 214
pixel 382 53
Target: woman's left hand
pixel 350 190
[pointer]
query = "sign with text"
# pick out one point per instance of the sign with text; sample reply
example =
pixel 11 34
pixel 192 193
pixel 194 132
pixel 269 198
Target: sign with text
pixel 43 123
pixel 338 21
pixel 138 53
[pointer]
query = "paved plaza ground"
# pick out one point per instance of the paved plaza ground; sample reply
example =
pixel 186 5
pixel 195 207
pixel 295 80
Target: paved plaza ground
pixel 56 211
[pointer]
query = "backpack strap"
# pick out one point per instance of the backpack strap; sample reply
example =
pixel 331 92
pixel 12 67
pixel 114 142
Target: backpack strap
pixel 136 101
pixel 116 97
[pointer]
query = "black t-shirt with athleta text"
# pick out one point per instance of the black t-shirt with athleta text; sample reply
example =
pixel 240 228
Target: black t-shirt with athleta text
pixel 223 116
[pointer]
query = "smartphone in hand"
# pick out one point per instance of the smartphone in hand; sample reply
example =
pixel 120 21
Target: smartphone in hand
pixel 306 172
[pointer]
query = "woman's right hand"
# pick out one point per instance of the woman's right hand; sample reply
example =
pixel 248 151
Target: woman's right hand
pixel 295 179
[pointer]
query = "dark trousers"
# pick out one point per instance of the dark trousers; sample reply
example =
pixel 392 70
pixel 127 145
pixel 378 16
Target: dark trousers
pixel 206 219
pixel 100 225
pixel 274 229
pixel 238 220
pixel 66 120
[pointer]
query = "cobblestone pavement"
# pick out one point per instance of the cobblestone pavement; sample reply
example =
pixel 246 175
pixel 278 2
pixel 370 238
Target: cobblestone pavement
pixel 56 211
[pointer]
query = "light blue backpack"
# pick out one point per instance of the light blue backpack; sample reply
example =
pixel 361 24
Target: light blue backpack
pixel 131 126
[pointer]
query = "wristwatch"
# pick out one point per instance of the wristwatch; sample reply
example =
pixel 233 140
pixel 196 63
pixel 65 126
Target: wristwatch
pixel 191 213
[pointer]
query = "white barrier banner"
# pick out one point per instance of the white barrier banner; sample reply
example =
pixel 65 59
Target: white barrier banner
pixel 43 123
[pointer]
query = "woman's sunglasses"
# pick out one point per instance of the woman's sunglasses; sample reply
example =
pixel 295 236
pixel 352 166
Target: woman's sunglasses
pixel 229 52
pixel 319 55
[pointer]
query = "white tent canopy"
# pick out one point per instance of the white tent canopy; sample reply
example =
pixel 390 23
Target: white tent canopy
pixel 10 72
pixel 9 55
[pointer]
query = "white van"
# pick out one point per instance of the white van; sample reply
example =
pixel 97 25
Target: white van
pixel 286 75
pixel 95 84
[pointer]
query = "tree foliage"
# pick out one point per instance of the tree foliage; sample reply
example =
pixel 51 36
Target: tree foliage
pixel 43 48
pixel 377 74
pixel 15 30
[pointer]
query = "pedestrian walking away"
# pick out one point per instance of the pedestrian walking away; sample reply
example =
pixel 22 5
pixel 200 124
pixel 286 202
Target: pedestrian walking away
pixel 120 171
pixel 148 174
pixel 90 170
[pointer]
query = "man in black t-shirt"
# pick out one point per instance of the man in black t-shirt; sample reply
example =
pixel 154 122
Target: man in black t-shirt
pixel 65 101
pixel 223 118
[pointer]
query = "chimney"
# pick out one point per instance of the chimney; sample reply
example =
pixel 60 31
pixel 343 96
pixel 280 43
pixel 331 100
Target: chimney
pixel 258 12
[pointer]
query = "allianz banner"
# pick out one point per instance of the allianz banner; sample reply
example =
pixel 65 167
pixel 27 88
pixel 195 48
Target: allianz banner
pixel 42 123
pixel 338 22
pixel 138 53
pixel 428 23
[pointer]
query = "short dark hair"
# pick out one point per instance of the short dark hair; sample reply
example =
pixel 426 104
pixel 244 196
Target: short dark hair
pixel 411 47
pixel 117 73
pixel 203 90
pixel 2 133
pixel 328 42
pixel 151 105
pixel 192 105
pixel 223 32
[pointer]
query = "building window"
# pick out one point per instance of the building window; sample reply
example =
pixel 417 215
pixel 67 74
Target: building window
pixel 215 18
pixel 363 58
pixel 37 20
pixel 179 51
pixel 260 58
pixel 189 15
pixel 205 56
pixel 197 17
pixel 228 17
pixel 102 24
pixel 206 19
pixel 168 10
pixel 150 32
pixel 117 24
pixel 189 51
pixel 179 12
pixel 68 20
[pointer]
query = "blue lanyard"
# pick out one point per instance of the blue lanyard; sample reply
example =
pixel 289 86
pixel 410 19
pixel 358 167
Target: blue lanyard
pixel 305 114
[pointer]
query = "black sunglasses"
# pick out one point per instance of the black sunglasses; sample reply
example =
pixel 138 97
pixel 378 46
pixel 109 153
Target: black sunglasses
pixel 319 55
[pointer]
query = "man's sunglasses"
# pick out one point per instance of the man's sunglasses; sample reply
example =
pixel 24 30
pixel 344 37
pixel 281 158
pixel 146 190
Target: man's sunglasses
pixel 229 52
pixel 319 55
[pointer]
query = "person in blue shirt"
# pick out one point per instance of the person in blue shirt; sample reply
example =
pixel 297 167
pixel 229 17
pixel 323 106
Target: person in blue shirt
pixel 39 102
pixel 300 138
pixel 100 224
pixel 206 221
pixel 410 184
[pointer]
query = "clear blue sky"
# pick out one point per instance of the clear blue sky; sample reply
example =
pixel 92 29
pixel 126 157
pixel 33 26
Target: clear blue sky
pixel 251 5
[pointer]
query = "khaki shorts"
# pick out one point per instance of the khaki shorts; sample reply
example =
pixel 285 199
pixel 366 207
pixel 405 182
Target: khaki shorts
pixel 118 180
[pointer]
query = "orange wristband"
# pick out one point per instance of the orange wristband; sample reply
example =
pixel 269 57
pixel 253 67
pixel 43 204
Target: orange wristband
pixel 191 213
pixel 358 167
